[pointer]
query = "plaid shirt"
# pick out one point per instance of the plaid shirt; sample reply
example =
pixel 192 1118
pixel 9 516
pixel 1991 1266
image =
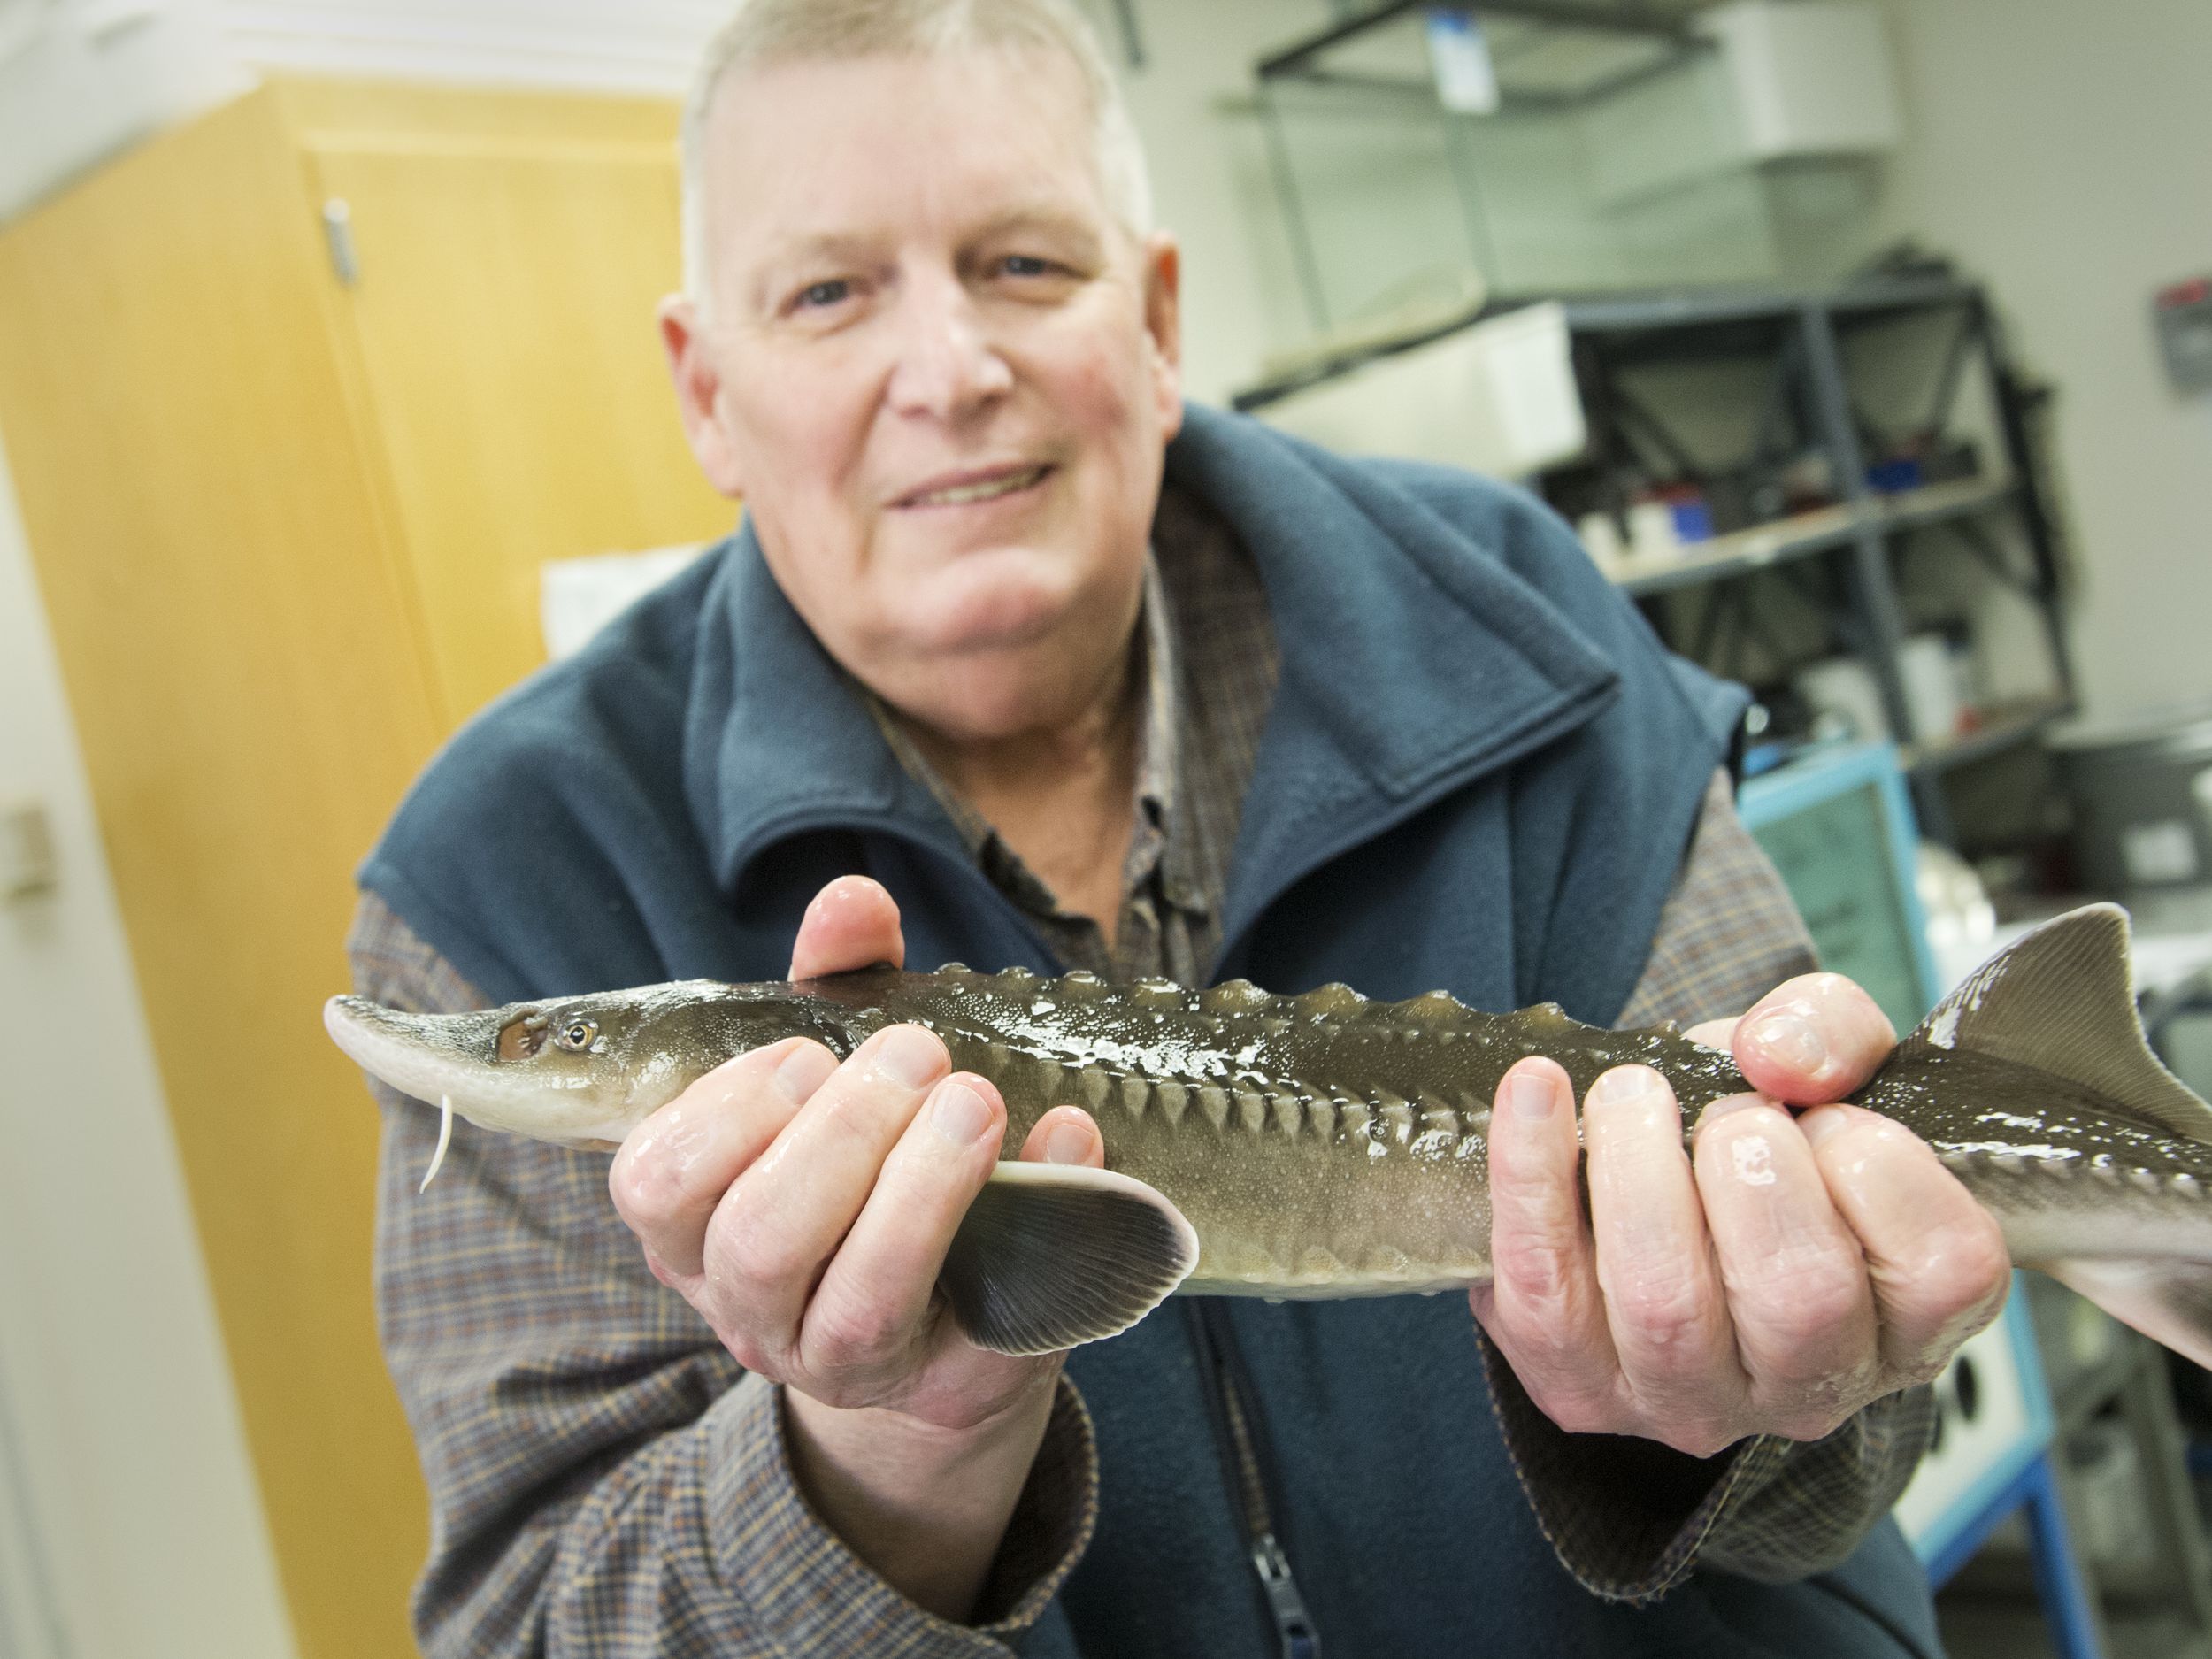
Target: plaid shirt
pixel 605 1479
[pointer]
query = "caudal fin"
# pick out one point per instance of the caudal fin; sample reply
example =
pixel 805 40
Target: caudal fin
pixel 2063 1000
pixel 1051 1254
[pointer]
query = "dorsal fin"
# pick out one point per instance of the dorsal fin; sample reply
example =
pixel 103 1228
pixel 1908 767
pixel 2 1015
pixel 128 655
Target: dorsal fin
pixel 2063 1000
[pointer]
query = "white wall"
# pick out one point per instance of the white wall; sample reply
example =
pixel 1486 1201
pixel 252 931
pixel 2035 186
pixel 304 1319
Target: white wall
pixel 1209 181
pixel 82 79
pixel 2060 153
pixel 130 1527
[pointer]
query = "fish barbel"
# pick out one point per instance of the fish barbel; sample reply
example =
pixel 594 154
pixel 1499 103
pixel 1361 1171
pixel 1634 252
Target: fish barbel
pixel 1327 1145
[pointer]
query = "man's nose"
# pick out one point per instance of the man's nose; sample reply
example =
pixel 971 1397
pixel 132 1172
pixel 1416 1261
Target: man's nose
pixel 947 366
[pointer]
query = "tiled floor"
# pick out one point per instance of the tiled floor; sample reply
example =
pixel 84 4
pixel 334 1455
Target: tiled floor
pixel 1986 1627
pixel 1990 1610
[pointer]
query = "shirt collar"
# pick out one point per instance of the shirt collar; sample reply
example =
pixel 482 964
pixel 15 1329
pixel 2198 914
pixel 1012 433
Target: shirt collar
pixel 1154 836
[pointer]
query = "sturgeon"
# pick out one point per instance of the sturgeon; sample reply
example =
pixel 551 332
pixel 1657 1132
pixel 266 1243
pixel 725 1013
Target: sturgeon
pixel 1327 1145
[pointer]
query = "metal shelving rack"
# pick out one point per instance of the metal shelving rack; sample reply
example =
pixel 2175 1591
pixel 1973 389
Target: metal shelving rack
pixel 1841 557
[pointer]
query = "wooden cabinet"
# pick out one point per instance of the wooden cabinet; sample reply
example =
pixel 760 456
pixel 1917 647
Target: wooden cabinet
pixel 288 525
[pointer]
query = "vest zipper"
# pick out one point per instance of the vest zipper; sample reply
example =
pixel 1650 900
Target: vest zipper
pixel 1223 1363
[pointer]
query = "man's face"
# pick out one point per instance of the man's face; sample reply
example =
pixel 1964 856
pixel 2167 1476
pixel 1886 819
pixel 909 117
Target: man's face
pixel 938 370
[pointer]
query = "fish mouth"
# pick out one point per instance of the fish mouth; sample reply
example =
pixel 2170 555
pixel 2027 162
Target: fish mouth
pixel 439 1058
pixel 428 1057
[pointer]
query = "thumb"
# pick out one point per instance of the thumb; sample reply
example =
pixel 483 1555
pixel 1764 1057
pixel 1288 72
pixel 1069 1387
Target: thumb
pixel 852 922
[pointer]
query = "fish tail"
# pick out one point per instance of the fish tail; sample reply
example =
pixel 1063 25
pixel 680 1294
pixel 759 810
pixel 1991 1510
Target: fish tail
pixel 2062 1001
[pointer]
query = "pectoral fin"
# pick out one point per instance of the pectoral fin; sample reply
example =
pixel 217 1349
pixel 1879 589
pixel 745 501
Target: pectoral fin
pixel 2168 1301
pixel 1051 1254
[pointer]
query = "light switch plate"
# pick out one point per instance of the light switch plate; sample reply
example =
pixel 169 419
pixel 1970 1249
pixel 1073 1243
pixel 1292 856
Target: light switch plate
pixel 2184 315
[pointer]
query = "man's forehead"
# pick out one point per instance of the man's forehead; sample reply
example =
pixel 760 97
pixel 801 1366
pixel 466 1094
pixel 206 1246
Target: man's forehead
pixel 820 155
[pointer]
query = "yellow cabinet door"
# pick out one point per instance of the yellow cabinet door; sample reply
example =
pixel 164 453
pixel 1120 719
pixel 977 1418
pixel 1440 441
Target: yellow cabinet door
pixel 503 304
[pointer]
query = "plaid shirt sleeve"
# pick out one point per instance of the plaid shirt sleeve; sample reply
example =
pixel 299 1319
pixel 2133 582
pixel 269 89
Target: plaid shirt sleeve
pixel 1629 1517
pixel 605 1479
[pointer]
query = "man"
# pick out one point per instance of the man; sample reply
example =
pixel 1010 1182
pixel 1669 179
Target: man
pixel 1018 660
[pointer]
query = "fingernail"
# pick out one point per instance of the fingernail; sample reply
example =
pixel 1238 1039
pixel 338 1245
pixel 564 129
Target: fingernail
pixel 1068 1143
pixel 1625 1085
pixel 1531 1094
pixel 805 1069
pixel 1725 1105
pixel 1818 1125
pixel 960 1114
pixel 1791 1040
pixel 909 1056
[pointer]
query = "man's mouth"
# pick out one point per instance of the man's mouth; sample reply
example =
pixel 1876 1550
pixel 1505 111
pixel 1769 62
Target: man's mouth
pixel 985 487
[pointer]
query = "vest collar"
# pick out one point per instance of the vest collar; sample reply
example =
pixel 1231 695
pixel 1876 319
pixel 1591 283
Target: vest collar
pixel 1413 660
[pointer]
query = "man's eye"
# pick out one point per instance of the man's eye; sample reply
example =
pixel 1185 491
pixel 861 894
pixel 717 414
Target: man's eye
pixel 815 295
pixel 1027 265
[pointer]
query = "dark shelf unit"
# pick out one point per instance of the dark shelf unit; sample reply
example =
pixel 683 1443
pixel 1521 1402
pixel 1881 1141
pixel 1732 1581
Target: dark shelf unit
pixel 1803 332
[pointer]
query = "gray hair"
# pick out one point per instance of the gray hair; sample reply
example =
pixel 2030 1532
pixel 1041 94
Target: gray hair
pixel 765 33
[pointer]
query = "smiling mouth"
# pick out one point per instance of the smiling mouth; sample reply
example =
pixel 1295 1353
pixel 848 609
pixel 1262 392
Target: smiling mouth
pixel 981 489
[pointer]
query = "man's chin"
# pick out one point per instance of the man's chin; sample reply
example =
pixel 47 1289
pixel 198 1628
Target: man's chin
pixel 1009 599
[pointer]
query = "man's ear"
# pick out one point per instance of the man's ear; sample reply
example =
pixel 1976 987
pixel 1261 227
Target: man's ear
pixel 698 382
pixel 1163 322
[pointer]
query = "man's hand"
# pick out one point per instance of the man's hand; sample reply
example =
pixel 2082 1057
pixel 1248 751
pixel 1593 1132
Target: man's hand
pixel 1794 1269
pixel 804 1209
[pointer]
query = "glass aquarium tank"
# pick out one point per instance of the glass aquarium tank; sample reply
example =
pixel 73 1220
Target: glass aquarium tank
pixel 1426 157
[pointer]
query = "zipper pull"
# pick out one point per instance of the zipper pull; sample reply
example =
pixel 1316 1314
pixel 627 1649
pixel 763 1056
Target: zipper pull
pixel 1299 1641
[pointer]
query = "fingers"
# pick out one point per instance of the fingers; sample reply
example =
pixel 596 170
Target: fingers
pixel 777 1227
pixel 852 922
pixel 873 1305
pixel 873 1302
pixel 1066 1135
pixel 1664 1301
pixel 673 1168
pixel 1542 1307
pixel 1812 1039
pixel 1937 1260
pixel 1796 1283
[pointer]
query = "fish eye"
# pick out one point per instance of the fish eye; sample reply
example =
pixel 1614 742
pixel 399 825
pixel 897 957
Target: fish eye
pixel 577 1035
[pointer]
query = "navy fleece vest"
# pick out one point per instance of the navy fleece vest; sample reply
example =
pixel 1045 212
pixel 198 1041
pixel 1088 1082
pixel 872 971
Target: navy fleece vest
pixel 1479 772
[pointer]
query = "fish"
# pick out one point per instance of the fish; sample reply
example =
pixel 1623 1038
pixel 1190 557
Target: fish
pixel 1324 1144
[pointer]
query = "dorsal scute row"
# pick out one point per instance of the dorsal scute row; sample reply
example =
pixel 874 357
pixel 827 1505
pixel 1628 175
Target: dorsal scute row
pixel 1336 1002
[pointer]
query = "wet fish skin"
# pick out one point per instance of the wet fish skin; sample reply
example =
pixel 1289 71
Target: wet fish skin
pixel 1320 1145
pixel 1326 1145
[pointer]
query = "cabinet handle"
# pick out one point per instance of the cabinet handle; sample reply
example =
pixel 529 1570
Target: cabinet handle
pixel 338 232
